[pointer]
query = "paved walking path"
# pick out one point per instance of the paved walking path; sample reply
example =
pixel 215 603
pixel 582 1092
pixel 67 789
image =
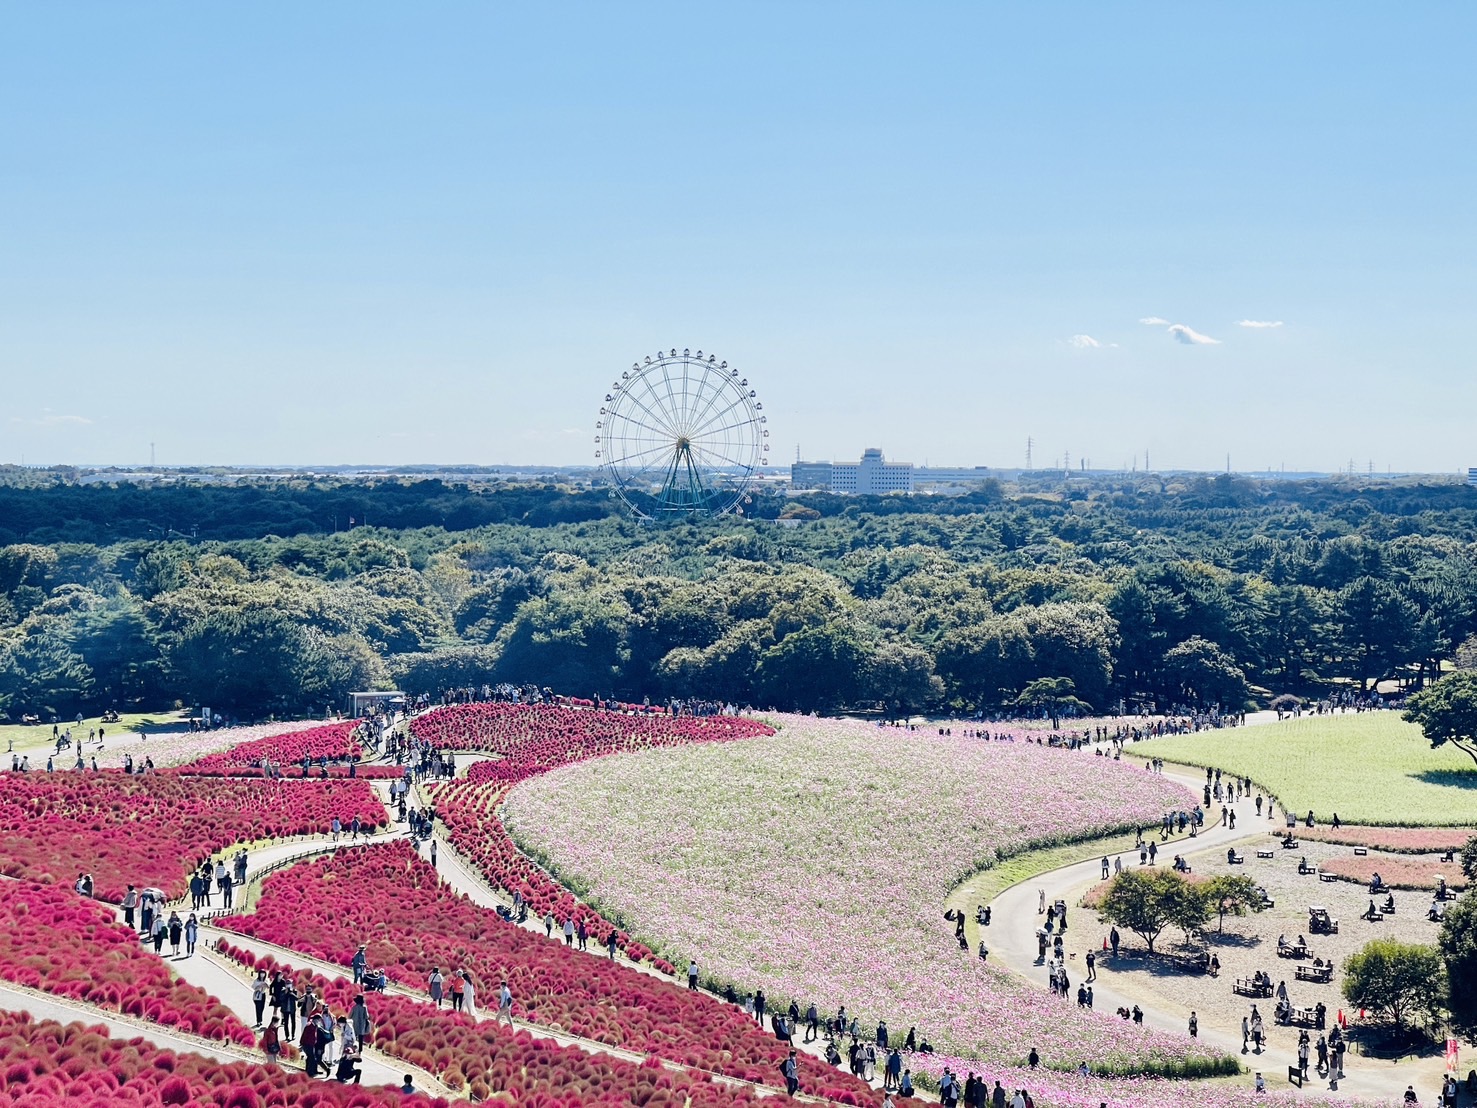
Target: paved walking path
pixel 1012 941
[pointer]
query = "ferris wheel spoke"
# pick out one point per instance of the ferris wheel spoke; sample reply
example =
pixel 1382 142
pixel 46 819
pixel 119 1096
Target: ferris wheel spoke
pixel 660 448
pixel 673 408
pixel 706 435
pixel 705 452
pixel 657 433
pixel 737 402
pixel 713 396
pixel 655 414
pixel 659 411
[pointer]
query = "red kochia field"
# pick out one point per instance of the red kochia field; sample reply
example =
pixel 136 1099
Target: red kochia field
pixel 333 741
pixel 388 897
pixel 481 1057
pixel 46 1065
pixel 152 829
pixel 53 940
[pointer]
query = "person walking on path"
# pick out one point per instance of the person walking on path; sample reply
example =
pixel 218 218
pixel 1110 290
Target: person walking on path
pixel 583 933
pixel 569 931
pixel 505 1004
pixel 692 976
pixel 1091 966
pixel 456 991
pixel 259 995
pixel 160 929
pixel 791 1072
pixel 470 1001
pixel 759 1006
pixel 358 964
pixel 435 984
pixel 1041 903
pixel 549 922
pixel 192 935
pixel 272 1043
pixel 433 851
pixel 130 902
pixel 359 1020
pixel 611 942
pixel 1194 1026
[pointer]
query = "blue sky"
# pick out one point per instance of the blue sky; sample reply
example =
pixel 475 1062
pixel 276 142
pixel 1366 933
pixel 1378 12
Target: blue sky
pixel 372 233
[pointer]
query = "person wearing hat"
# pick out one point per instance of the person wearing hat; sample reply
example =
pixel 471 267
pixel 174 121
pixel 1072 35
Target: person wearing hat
pixel 358 964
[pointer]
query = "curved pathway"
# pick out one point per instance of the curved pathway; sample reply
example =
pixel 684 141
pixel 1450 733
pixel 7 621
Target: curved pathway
pixel 1012 941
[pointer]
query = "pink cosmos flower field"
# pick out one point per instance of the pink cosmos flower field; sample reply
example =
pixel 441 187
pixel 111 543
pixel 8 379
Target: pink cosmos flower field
pixel 814 864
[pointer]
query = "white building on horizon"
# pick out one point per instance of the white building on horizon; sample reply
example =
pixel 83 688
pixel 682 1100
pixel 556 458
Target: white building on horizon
pixel 874 475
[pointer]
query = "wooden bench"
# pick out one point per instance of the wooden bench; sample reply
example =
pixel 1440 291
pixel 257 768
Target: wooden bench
pixel 1244 987
pixel 1263 853
pixel 1291 844
pixel 1373 917
pixel 1321 974
pixel 1361 851
pixel 1327 877
pixel 1237 859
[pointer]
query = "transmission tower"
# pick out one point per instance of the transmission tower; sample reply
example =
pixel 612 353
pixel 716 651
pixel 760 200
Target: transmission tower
pixel 1030 442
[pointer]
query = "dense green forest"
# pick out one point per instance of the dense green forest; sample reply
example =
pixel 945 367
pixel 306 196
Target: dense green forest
pixel 262 598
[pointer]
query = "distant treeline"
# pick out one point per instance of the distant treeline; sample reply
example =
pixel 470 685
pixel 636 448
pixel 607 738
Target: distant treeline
pixel 284 595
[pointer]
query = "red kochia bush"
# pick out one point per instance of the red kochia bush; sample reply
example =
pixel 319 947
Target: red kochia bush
pixel 530 740
pixel 152 829
pixel 53 940
pixel 46 1065
pixel 388 897
pixel 333 741
pixel 481 1057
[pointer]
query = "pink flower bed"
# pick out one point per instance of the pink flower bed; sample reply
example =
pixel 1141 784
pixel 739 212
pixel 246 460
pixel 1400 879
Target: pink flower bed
pixel 1399 871
pixel 1053 1089
pixel 1397 840
pixel 46 1065
pixel 530 740
pixel 481 1057
pixel 814 865
pixel 152 829
pixel 334 742
pixel 57 942
pixel 387 897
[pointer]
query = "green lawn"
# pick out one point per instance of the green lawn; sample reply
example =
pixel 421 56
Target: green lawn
pixel 1369 768
pixel 23 739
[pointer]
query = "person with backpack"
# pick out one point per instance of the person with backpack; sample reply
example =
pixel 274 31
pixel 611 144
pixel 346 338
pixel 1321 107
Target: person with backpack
pixel 272 1042
pixel 791 1072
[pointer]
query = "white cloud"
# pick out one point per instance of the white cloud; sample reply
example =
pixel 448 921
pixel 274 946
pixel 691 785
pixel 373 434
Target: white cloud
pixel 1191 337
pixel 1084 342
pixel 1155 321
pixel 52 419
pixel 1259 323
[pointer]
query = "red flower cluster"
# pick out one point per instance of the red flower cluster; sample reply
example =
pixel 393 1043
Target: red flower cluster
pixel 1397 840
pixel 483 1058
pixel 46 1065
pixel 333 741
pixel 152 829
pixel 386 895
pixel 1398 871
pixel 532 739
pixel 57 942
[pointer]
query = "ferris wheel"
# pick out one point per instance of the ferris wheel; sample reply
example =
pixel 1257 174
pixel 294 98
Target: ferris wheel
pixel 681 434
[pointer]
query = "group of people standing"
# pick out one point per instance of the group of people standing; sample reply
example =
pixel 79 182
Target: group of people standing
pixel 331 1045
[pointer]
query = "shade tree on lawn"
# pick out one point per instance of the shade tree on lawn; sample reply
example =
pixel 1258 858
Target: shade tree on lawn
pixel 1231 894
pixel 1447 712
pixel 1400 981
pixel 1146 901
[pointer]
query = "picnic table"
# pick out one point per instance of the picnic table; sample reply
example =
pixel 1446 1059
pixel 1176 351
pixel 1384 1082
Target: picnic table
pixel 1322 974
pixel 1244 986
pixel 1292 950
pixel 1298 1017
